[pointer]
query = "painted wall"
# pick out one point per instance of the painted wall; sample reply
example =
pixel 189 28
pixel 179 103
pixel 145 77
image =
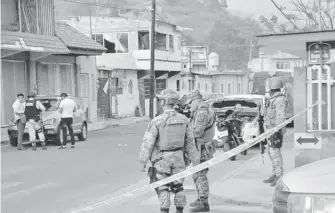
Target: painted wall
pixel 87 65
pixel 135 58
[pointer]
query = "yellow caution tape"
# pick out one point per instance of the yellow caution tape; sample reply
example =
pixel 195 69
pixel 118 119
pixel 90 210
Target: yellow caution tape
pixel 199 167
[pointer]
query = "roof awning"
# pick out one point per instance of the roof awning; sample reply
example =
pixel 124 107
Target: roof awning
pixel 18 41
pixel 295 43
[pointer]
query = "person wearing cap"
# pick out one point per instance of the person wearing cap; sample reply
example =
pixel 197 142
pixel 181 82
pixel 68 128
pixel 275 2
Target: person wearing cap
pixel 274 112
pixel 32 111
pixel 166 139
pixel 67 108
pixel 202 121
pixel 19 119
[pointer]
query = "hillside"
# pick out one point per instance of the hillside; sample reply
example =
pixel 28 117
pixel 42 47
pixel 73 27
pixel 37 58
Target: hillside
pixel 200 15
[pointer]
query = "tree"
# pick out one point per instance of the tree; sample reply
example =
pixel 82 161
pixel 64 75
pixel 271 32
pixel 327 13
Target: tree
pixel 305 14
pixel 231 38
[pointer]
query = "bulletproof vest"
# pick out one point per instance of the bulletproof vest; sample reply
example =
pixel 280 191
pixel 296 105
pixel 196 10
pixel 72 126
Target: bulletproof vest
pixel 270 117
pixel 172 132
pixel 210 127
pixel 31 110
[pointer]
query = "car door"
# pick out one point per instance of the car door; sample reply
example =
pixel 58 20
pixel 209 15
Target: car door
pixel 76 116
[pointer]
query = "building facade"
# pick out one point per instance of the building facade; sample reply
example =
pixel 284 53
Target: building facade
pixel 37 54
pixel 314 130
pixel 124 68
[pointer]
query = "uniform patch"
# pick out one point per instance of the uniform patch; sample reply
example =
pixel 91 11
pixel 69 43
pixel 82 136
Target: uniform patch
pixel 200 117
pixel 175 121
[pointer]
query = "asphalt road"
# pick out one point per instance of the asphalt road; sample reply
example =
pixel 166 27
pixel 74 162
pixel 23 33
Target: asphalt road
pixel 55 181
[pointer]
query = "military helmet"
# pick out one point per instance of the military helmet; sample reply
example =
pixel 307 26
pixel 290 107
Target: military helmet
pixel 170 96
pixel 31 95
pixel 193 95
pixel 275 83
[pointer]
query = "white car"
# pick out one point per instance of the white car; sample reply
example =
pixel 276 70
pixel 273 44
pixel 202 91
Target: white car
pixel 247 108
pixel 309 188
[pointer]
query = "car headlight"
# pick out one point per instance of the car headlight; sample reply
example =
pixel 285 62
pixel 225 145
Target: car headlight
pixel 311 204
pixel 49 121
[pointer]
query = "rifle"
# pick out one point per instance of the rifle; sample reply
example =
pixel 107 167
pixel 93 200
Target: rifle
pixel 261 131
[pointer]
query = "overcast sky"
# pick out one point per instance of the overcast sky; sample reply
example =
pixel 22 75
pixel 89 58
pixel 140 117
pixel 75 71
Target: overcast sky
pixel 257 7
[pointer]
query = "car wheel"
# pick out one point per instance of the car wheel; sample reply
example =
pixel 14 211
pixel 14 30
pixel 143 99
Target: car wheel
pixel 59 137
pixel 13 141
pixel 83 135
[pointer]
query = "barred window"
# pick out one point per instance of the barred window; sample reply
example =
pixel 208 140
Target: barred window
pixel 320 87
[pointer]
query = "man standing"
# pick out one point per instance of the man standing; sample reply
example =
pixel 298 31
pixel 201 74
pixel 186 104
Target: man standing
pixel 67 107
pixel 20 119
pixel 274 114
pixel 202 121
pixel 166 139
pixel 32 111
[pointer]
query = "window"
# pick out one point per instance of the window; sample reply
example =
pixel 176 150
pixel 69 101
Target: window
pixel 93 80
pixel 130 87
pixel 228 88
pixel 98 38
pixel 239 88
pixel 198 85
pixel 171 46
pixel 221 88
pixel 116 42
pixel 177 85
pixel 160 85
pixel 143 40
pixel 67 78
pixel 206 87
pixel 321 88
pixel 161 42
pixel 283 65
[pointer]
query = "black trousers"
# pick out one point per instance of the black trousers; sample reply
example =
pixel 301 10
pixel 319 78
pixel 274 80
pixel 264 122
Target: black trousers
pixel 67 122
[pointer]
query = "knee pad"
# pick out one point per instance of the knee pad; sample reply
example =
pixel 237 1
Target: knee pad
pixel 175 188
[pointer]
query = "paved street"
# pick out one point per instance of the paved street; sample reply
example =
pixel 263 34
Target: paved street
pixel 56 181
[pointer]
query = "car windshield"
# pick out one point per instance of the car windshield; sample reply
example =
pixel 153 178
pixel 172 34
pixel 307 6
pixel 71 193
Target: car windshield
pixel 50 104
pixel 215 96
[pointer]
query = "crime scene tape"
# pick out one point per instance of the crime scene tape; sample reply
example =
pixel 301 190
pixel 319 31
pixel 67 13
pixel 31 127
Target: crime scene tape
pixel 199 167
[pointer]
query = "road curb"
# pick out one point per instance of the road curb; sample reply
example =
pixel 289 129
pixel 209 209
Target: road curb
pixel 105 126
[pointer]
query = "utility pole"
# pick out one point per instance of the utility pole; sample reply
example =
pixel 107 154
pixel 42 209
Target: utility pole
pixel 152 58
pixel 190 59
pixel 91 25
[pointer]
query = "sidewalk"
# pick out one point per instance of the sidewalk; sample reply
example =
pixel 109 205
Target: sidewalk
pixel 93 126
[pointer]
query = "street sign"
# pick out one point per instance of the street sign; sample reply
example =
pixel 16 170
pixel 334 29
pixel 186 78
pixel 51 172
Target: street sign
pixel 306 141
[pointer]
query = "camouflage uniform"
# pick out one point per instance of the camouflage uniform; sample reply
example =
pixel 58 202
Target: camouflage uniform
pixel 203 129
pixel 166 162
pixel 275 114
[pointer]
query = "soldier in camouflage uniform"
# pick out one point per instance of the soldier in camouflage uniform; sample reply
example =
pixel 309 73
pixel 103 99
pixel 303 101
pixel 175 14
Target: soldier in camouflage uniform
pixel 274 112
pixel 166 139
pixel 203 120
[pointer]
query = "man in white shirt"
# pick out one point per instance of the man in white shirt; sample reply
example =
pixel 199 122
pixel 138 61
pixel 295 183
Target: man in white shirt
pixel 32 112
pixel 67 108
pixel 19 119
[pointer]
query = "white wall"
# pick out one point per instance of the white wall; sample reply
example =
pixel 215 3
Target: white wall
pixel 87 65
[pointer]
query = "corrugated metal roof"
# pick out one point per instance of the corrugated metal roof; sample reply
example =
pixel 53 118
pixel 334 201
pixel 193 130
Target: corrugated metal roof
pixel 32 42
pixel 75 39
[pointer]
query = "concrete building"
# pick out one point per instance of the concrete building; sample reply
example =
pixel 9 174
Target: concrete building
pixel 314 130
pixel 124 68
pixel 201 70
pixel 37 54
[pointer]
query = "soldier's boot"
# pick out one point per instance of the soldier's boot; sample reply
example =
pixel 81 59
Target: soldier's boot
pixel 180 210
pixel 195 203
pixel 274 182
pixel 270 179
pixel 44 147
pixel 201 207
pixel 164 210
